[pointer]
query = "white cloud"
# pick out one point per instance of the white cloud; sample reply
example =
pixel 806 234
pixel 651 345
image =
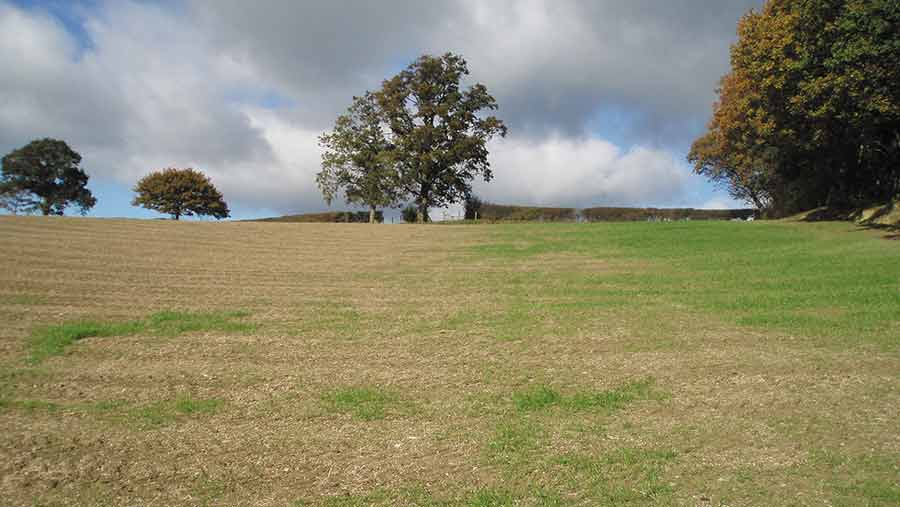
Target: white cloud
pixel 560 171
pixel 722 203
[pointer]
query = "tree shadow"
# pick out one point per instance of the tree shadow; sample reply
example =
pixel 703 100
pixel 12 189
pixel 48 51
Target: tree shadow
pixel 891 231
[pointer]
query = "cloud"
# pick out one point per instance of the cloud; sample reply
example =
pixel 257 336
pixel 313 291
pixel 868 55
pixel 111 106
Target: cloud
pixel 559 171
pixel 722 203
pixel 550 64
pixel 150 92
pixel 241 90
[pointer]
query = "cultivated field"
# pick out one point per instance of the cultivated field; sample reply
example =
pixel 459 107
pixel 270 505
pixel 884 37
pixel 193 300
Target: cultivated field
pixel 160 363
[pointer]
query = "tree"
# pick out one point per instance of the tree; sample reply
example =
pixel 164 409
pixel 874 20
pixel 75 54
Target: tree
pixel 356 159
pixel 810 112
pixel 180 192
pixel 473 206
pixel 438 133
pixel 49 170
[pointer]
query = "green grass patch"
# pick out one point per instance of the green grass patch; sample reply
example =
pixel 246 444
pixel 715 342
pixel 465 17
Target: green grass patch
pixel 625 476
pixel 28 405
pixel 536 398
pixel 165 412
pixel 174 323
pixel 363 403
pixel 869 479
pixel 514 439
pixel 48 341
pixel 52 340
pixel 542 397
pixel 816 280
pixel 490 497
pixel 152 415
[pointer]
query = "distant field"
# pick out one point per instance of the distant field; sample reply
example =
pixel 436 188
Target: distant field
pixel 691 363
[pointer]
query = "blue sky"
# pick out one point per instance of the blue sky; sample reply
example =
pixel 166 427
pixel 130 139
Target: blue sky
pixel 602 98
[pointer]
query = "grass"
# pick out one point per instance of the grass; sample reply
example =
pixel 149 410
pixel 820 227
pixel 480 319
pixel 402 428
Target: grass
pixel 48 341
pixel 624 476
pixel 165 412
pixel 143 416
pixel 512 439
pixel 28 406
pixel 773 276
pixel 364 403
pixel 516 364
pixel 541 397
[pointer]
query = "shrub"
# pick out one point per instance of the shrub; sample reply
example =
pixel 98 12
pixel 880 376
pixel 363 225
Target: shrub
pixel 473 207
pixel 409 214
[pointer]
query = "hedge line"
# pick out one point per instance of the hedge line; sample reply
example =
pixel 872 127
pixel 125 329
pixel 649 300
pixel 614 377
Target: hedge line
pixel 494 212
pixel 634 214
pixel 328 217
pixel 497 212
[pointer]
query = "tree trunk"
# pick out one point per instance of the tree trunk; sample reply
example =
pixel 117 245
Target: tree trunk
pixel 372 215
pixel 176 215
pixel 422 214
pixel 45 207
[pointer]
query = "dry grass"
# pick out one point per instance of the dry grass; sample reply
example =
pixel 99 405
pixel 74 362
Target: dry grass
pixel 412 365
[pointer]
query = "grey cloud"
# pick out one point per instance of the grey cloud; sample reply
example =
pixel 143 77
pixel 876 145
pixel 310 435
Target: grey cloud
pixel 550 64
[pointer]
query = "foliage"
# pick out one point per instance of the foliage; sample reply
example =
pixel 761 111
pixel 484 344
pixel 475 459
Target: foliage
pixel 48 170
pixel 328 217
pixel 180 192
pixel 410 214
pixel 437 131
pixel 472 207
pixel 356 159
pixel 631 214
pixel 490 211
pixel 810 113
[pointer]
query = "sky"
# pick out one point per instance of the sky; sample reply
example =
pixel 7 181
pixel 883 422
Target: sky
pixel 602 98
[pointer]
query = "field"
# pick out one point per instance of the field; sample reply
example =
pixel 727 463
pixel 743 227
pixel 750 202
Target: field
pixel 712 364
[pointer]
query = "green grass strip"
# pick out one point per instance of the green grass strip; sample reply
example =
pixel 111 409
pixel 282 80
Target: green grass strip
pixel 48 341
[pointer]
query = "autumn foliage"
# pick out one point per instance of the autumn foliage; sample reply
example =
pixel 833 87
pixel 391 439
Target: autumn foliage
pixel 180 192
pixel 810 113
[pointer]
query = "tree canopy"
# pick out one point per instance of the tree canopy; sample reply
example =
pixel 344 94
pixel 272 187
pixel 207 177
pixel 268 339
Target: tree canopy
pixel 45 175
pixel 180 192
pixel 356 159
pixel 422 136
pixel 438 132
pixel 810 113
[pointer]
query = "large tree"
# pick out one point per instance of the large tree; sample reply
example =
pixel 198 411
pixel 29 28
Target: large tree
pixel 357 161
pixel 438 130
pixel 810 111
pixel 48 170
pixel 180 192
